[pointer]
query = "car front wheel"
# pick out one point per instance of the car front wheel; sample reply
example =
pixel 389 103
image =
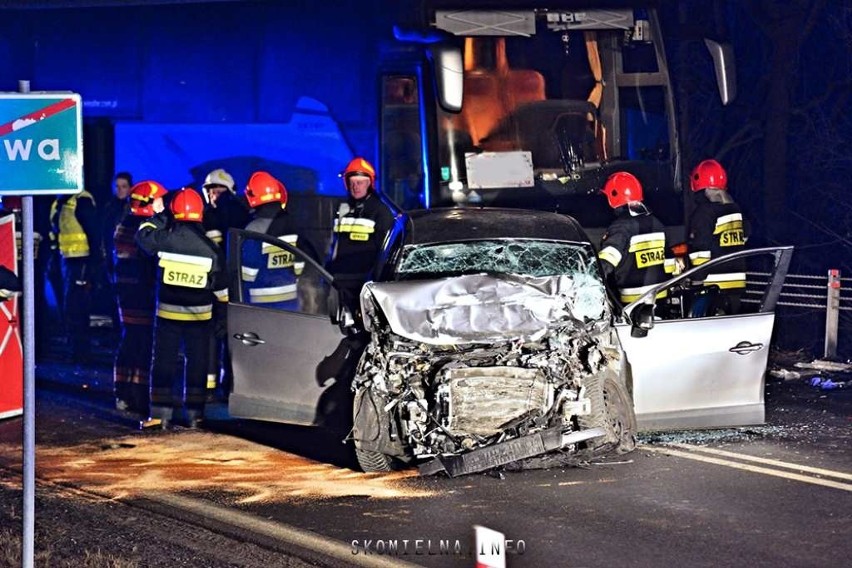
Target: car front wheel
pixel 612 410
pixel 371 461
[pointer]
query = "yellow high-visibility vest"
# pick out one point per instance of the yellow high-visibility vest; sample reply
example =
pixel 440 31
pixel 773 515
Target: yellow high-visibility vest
pixel 73 242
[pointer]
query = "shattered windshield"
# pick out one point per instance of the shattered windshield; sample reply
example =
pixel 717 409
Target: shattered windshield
pixel 526 257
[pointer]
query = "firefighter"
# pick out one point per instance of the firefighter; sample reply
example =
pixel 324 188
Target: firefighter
pixel 633 249
pixel 74 229
pixel 222 211
pixel 360 230
pixel 190 279
pixel 269 273
pixel 716 228
pixel 134 282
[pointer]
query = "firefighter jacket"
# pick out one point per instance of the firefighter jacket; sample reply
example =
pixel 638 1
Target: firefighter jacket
pixel 74 222
pixel 229 213
pixel 717 229
pixel 359 234
pixel 633 253
pixel 134 274
pixel 191 268
pixel 269 273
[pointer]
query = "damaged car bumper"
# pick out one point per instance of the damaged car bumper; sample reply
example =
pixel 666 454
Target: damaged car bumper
pixel 508 452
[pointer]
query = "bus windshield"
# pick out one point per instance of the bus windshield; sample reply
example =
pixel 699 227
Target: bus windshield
pixel 550 109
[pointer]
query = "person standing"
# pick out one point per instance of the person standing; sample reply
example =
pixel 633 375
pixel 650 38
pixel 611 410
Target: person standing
pixel 269 273
pixel 633 249
pixel 191 278
pixel 716 228
pixel 134 282
pixel 75 227
pixel 360 230
pixel 223 211
pixel 113 212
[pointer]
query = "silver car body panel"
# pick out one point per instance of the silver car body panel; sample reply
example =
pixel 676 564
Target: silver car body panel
pixel 705 372
pixel 277 380
pixel 686 376
pixel 480 308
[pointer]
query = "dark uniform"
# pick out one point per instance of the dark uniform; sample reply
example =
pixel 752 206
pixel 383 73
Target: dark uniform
pixel 633 251
pixel 359 234
pixel 74 223
pixel 716 229
pixel 112 214
pixel 228 213
pixel 190 279
pixel 134 282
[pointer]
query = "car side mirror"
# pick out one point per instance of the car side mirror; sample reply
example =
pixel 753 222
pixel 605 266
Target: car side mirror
pixel 725 67
pixel 642 319
pixel 345 319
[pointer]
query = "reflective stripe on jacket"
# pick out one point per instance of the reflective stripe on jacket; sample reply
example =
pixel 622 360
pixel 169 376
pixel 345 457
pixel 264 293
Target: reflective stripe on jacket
pixel 717 229
pixel 633 251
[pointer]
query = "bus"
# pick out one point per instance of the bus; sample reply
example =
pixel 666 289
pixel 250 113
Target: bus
pixel 517 104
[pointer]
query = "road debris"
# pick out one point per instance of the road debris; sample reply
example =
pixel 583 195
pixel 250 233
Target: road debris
pixel 785 374
pixel 825 383
pixel 826 366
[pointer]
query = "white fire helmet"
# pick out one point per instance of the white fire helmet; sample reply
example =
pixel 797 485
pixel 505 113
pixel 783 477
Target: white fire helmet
pixel 219 177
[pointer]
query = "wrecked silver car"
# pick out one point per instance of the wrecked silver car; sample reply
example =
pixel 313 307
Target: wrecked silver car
pixel 489 338
pixel 489 350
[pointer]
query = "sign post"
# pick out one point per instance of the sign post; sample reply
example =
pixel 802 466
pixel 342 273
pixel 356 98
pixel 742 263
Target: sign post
pixel 41 153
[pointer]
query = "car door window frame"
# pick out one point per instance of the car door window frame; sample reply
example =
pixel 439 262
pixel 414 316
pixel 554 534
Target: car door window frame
pixel 782 257
pixel 235 241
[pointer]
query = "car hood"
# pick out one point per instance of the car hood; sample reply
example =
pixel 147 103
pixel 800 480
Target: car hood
pixel 482 308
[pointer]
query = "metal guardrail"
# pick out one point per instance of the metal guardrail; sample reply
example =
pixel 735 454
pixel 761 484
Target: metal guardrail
pixel 798 292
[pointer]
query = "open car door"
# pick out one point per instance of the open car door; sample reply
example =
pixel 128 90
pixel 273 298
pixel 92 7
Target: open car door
pixel 285 350
pixel 698 354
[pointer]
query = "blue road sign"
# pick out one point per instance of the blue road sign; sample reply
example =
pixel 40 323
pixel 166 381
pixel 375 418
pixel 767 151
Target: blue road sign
pixel 41 143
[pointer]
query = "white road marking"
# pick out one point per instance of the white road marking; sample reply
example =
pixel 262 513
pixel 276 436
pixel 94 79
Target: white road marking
pixel 281 532
pixel 752 468
pixel 767 461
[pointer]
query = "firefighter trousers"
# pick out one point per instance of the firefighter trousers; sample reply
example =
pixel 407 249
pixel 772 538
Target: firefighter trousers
pixel 132 366
pixel 169 390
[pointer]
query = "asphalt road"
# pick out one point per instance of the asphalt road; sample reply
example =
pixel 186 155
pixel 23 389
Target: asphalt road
pixel 775 495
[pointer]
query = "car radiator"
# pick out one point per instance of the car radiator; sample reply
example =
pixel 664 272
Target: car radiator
pixel 481 400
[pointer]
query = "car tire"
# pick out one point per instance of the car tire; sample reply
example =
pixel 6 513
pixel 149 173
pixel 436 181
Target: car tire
pixel 612 410
pixel 371 461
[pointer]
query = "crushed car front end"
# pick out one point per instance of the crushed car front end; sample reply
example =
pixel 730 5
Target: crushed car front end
pixel 486 353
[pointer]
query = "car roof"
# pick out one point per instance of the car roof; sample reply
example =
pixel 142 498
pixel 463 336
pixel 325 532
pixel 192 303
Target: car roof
pixel 465 223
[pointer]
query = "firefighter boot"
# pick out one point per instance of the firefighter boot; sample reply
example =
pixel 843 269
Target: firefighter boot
pixel 161 419
pixel 194 418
